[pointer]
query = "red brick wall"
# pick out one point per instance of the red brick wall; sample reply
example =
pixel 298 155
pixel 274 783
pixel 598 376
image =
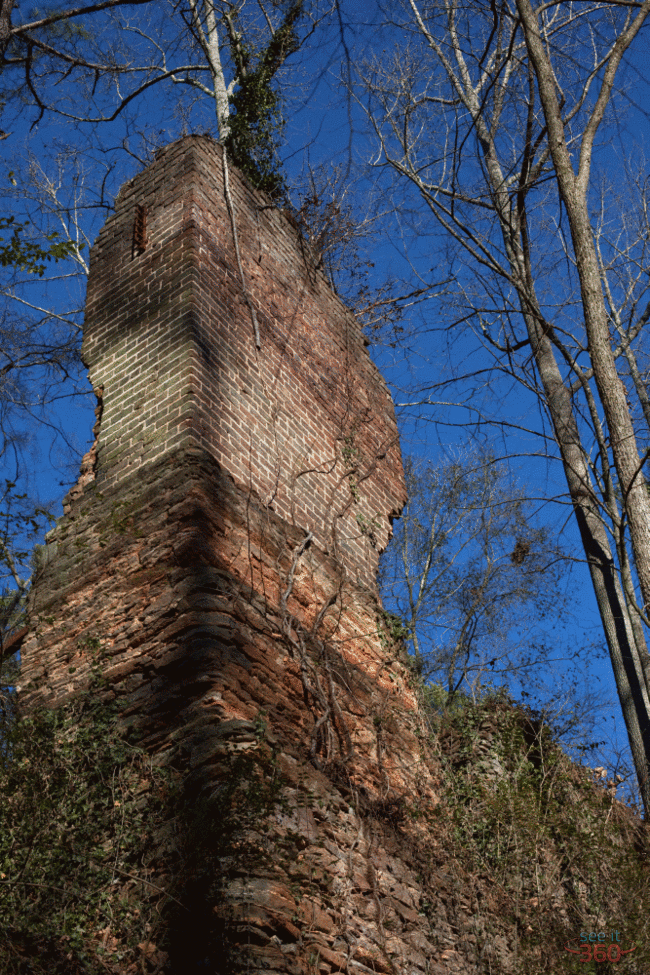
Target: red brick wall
pixel 306 421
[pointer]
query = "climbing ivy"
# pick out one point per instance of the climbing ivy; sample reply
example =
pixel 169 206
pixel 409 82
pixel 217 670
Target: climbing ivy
pixel 256 121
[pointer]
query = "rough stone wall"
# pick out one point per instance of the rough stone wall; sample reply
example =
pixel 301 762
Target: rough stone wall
pixel 211 629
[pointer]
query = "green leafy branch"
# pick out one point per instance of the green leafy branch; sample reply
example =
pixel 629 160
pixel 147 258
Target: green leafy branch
pixel 28 256
pixel 391 629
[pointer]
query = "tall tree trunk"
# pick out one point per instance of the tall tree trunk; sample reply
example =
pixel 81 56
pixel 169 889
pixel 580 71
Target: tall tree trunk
pixel 618 625
pixel 626 659
pixel 573 191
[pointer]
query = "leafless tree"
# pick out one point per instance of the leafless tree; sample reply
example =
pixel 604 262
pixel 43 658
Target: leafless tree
pixel 482 587
pixel 488 117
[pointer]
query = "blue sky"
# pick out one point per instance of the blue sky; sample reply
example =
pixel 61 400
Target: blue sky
pixel 333 129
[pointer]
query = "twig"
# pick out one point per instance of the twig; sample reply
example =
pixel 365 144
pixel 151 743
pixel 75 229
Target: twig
pixel 149 884
pixel 231 212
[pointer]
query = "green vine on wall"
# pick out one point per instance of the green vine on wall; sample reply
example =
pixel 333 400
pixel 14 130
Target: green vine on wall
pixel 392 630
pixel 369 527
pixel 108 863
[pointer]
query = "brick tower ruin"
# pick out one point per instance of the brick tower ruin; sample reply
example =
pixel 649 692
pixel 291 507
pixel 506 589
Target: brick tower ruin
pixel 302 427
pixel 211 588
pixel 219 554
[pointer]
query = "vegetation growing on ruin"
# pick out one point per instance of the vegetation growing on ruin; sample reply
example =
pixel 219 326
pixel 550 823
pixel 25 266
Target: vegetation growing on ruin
pixel 542 850
pixel 80 806
pixel 107 861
